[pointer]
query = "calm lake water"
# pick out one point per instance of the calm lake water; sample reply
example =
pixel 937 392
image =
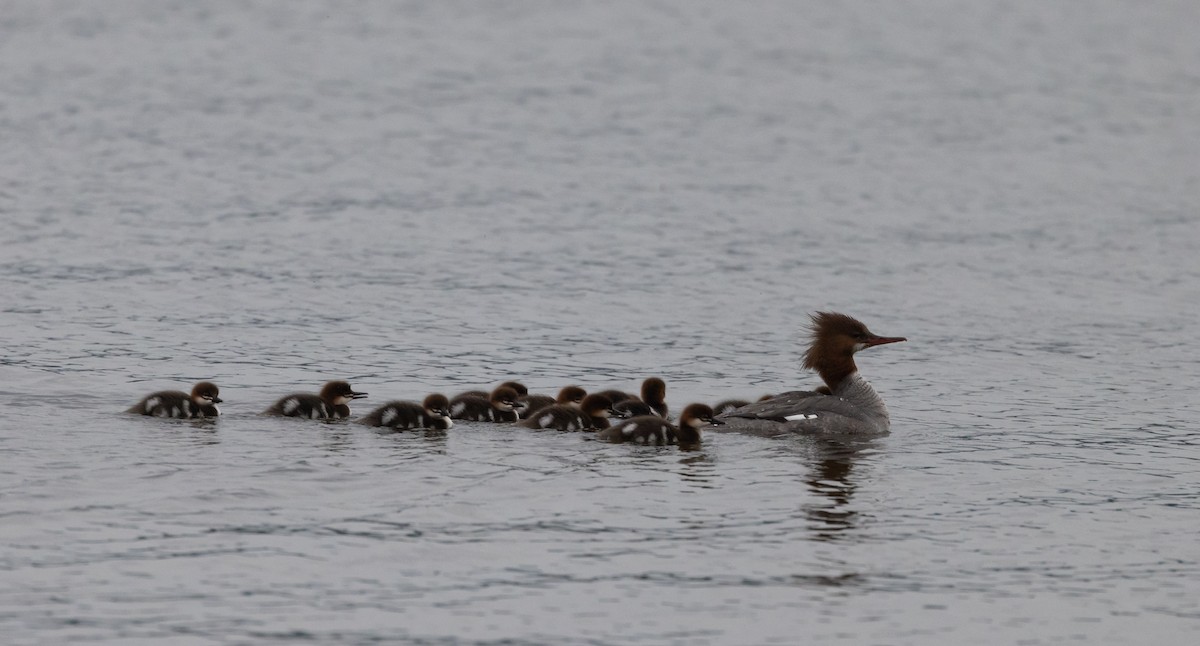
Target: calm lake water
pixel 432 196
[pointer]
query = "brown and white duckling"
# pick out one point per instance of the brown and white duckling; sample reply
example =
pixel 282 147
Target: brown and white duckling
pixel 176 403
pixel 569 395
pixel 434 413
pixel 330 403
pixel 616 396
pixel 693 418
pixel 653 401
pixel 645 427
pixel 597 411
pixel 500 406
pixel 567 417
pixel 515 385
pixel 630 408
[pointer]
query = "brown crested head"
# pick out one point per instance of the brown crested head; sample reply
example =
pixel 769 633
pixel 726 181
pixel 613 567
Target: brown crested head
pixel 654 390
pixel 504 397
pixel 206 392
pixel 697 415
pixel 571 395
pixel 515 385
pixel 596 405
pixel 835 339
pixel 436 404
pixel 339 392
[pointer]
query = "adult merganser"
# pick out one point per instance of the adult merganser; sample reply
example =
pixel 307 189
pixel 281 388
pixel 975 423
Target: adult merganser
pixel 851 404
pixel 176 403
pixel 330 403
pixel 727 405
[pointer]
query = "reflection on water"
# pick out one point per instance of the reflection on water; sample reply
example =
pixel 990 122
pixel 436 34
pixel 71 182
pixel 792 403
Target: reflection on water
pixel 831 478
pixel 340 440
pixel 697 470
pixel 414 442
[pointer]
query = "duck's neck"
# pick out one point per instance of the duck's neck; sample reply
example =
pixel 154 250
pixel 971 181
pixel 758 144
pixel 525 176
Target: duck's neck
pixel 858 391
pixel 834 368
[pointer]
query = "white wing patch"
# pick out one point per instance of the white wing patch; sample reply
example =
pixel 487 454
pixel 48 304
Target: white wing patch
pixel 388 415
pixel 545 420
pixel 800 416
pixel 628 429
pixel 290 406
pixel 458 408
pixel 152 403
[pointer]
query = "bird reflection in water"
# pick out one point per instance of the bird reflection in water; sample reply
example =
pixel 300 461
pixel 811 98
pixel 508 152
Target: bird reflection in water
pixel 831 478
pixel 696 470
pixel 428 441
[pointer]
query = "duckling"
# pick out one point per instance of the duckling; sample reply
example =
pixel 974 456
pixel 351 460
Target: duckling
pixel 515 385
pixel 567 417
pixel 645 427
pixel 433 413
pixel 630 408
pixel 330 403
pixel 176 403
pixel 499 407
pixel 693 418
pixel 653 401
pixel 530 404
pixel 617 396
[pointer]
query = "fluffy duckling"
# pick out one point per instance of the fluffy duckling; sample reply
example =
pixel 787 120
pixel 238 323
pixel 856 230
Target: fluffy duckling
pixel 330 403
pixel 653 401
pixel 433 413
pixel 567 417
pixel 616 396
pixel 176 403
pixel 569 395
pixel 643 428
pixel 693 418
pixel 499 407
pixel 515 385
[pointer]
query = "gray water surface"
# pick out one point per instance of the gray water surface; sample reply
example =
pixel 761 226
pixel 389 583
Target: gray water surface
pixel 434 196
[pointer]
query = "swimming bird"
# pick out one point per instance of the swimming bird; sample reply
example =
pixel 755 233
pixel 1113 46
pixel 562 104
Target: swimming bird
pixel 652 402
pixel 330 403
pixel 515 385
pixel 568 417
pixel 202 402
pixel 433 413
pixel 529 404
pixel 646 427
pixel 727 405
pixel 500 406
pixel 850 404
